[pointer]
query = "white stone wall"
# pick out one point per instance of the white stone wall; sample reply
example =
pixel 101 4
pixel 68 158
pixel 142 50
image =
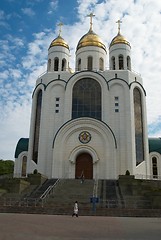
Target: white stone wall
pixel 102 147
pixel 95 52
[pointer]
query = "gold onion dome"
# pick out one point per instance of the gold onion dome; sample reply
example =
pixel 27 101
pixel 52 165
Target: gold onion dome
pixel 119 39
pixel 90 39
pixel 59 41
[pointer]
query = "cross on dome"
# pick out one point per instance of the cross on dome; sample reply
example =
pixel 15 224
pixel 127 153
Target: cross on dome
pixel 119 25
pixel 60 28
pixel 91 15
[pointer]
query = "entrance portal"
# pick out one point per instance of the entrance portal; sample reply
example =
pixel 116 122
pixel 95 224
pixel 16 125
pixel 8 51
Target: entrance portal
pixel 84 164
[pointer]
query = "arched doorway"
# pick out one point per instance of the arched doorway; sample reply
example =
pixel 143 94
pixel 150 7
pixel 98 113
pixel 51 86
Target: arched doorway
pixel 84 164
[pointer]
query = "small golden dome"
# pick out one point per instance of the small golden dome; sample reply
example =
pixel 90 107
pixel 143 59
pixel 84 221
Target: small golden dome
pixel 90 39
pixel 119 39
pixel 59 41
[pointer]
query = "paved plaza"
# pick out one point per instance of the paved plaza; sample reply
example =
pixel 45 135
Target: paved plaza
pixel 51 227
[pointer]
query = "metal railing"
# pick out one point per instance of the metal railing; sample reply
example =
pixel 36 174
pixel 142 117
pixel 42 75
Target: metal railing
pixel 148 177
pixel 128 204
pixel 95 188
pixel 49 190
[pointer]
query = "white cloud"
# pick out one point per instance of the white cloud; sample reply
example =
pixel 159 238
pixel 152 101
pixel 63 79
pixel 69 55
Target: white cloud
pixel 28 11
pixel 15 126
pixel 53 5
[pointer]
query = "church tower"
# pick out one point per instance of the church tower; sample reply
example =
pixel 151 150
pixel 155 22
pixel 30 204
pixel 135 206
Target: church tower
pixel 93 120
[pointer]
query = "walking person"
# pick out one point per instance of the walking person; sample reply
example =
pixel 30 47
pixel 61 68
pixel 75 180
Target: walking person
pixel 82 177
pixel 75 212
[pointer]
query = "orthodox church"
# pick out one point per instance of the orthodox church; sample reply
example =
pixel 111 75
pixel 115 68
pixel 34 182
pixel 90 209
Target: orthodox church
pixel 90 121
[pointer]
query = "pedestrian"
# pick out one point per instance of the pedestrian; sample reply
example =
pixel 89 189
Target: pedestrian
pixel 82 177
pixel 75 212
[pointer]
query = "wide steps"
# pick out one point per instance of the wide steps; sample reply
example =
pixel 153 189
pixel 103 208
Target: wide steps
pixel 69 191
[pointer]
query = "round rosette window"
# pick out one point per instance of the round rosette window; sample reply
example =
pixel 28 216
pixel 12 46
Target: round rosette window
pixel 84 137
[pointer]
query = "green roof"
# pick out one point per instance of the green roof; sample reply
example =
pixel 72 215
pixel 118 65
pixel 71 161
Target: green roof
pixel 22 146
pixel 155 145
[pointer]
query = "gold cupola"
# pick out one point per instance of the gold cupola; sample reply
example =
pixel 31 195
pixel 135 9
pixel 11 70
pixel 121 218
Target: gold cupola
pixel 119 39
pixel 59 41
pixel 90 38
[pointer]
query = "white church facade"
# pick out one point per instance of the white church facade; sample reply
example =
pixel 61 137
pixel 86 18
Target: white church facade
pixel 91 121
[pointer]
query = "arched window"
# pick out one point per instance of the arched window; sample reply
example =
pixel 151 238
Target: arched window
pixel 63 64
pixel 90 63
pixel 128 63
pixel 121 62
pixel 113 63
pixel 56 64
pixel 49 64
pixel 154 167
pixel 139 141
pixel 24 163
pixel 37 126
pixel 86 100
pixel 101 64
pixel 79 64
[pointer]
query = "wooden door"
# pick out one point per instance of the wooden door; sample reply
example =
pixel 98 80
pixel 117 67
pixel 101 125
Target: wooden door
pixel 84 164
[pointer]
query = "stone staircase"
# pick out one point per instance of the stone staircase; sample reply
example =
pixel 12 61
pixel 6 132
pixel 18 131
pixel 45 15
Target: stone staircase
pixel 69 191
pixel 115 199
pixel 42 188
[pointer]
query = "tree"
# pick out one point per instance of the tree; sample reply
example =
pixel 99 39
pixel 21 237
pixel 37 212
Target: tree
pixel 6 166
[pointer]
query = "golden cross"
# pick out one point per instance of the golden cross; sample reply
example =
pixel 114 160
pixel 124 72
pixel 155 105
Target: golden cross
pixel 91 15
pixel 60 27
pixel 119 24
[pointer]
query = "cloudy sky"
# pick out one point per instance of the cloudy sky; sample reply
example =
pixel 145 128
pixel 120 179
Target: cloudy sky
pixel 27 27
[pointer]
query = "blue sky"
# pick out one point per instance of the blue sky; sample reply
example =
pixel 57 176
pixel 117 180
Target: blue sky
pixel 28 27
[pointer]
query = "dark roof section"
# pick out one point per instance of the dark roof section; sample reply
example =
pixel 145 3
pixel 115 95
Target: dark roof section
pixel 155 145
pixel 22 146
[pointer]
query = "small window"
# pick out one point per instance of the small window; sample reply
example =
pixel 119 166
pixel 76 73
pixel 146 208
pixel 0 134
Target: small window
pixel 63 64
pixel 116 110
pixel 49 64
pixel 90 63
pixel 57 105
pixel 56 64
pixel 116 104
pixel 155 168
pixel 116 98
pixel 128 63
pixel 101 64
pixel 57 99
pixel 121 62
pixel 113 63
pixel 56 110
pixel 79 64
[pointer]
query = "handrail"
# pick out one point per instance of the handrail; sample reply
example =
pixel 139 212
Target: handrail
pixel 148 177
pixel 95 188
pixel 49 190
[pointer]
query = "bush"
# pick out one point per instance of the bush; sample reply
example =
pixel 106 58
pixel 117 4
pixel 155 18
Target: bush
pixel 6 166
pixel 35 171
pixel 127 173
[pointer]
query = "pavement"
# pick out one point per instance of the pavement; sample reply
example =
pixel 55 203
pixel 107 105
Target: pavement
pixel 60 227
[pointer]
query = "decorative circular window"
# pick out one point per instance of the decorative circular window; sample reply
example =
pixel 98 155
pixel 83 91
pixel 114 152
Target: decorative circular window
pixel 84 137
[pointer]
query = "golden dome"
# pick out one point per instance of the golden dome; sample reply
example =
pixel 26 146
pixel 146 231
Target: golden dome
pixel 59 41
pixel 119 39
pixel 90 39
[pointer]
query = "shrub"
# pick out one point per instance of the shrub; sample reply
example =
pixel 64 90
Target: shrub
pixel 35 171
pixel 127 173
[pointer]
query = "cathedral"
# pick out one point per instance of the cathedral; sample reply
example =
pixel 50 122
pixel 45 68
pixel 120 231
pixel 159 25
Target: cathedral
pixel 91 121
